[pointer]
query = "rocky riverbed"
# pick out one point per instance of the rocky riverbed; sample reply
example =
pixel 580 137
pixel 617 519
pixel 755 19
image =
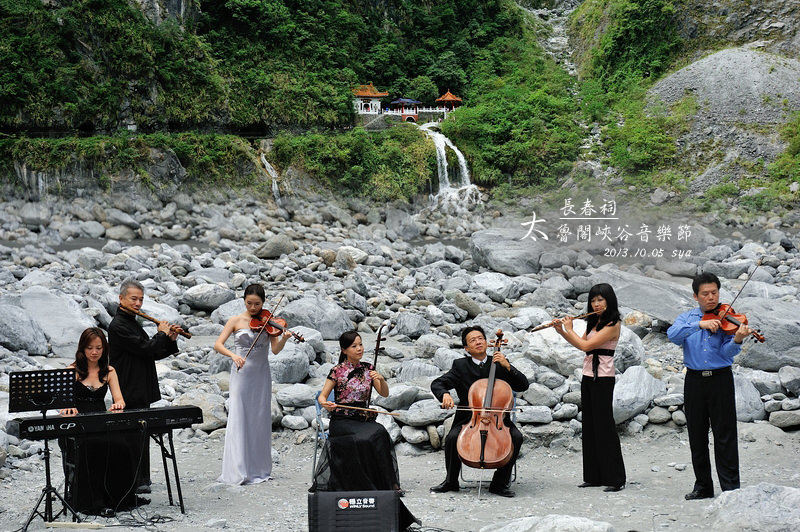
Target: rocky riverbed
pixel 347 264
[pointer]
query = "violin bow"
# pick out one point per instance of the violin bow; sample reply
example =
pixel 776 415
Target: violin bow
pixel 260 330
pixel 742 288
pixel 378 348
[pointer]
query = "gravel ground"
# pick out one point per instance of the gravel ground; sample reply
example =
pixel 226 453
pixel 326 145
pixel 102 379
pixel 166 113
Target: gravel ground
pixel 546 484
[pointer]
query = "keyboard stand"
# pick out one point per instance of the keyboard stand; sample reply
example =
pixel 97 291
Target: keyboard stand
pixel 158 437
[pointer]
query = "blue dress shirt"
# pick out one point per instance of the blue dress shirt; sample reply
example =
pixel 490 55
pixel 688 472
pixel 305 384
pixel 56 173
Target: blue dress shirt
pixel 702 350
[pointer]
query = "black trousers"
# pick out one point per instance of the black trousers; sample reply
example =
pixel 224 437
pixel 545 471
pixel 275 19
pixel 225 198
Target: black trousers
pixel 711 401
pixel 602 454
pixel 501 477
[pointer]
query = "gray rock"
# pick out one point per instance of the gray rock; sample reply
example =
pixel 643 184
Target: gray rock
pixel 118 217
pixel 790 379
pixel 550 523
pixel 534 414
pixel 226 311
pixel 274 247
pixel 212 405
pixel 355 300
pixel 790 404
pixel 659 415
pixel 120 232
pixel 728 270
pixel 87 258
pixel 207 296
pixel 464 302
pixel 34 215
pixel 781 348
pixel 679 417
pixel 785 418
pixel 411 324
pixel 444 358
pixel 763 507
pixel 497 286
pixel 294 422
pixel 540 395
pixel 18 331
pixel 633 393
pixel 677 268
pixel 749 406
pixel 400 396
pixel 506 251
pixel 62 323
pixel 671 399
pixel 565 411
pixel 296 395
pixel 414 435
pixel 320 314
pixel 411 369
pixel 401 224
pixel 289 366
pixel 212 275
pixel 551 379
pixel 766 382
pixel 422 413
pixel 427 345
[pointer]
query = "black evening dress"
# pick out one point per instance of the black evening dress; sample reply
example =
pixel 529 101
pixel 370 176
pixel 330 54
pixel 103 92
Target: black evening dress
pixel 99 468
pixel 358 454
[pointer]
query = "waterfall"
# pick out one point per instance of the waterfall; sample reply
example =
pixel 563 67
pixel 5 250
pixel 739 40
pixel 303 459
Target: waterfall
pixel 451 199
pixel 274 175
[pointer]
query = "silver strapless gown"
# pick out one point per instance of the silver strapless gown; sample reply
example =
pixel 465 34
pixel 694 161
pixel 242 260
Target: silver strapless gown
pixel 248 439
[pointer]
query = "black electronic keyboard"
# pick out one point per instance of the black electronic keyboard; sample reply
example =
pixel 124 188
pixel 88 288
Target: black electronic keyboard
pixel 151 420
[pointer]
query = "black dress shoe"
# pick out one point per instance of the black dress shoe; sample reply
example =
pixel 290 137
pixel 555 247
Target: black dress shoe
pixel 141 501
pixel 587 485
pixel 143 488
pixel 445 487
pixel 697 494
pixel 503 492
pixel 614 488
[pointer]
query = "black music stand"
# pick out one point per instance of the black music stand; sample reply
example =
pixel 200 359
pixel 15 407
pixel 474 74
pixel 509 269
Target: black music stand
pixel 43 390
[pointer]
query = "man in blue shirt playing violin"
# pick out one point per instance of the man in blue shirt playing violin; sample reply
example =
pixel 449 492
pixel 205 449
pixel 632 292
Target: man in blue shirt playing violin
pixel 709 397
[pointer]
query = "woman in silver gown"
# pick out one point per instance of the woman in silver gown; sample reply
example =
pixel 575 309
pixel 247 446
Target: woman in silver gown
pixel 247 458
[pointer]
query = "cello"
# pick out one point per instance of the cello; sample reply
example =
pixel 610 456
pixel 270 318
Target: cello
pixel 485 442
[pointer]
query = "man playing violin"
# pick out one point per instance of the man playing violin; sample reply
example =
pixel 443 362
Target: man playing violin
pixel 464 372
pixel 709 396
pixel 133 355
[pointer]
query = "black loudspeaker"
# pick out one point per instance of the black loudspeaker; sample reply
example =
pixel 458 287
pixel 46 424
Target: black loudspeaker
pixel 353 511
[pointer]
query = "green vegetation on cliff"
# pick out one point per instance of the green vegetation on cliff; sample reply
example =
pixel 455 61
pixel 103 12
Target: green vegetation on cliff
pixel 521 124
pixel 391 164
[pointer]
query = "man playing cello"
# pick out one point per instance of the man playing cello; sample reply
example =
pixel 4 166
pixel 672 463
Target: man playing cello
pixel 464 372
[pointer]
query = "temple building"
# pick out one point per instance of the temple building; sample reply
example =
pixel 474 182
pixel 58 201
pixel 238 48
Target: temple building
pixel 448 100
pixel 367 99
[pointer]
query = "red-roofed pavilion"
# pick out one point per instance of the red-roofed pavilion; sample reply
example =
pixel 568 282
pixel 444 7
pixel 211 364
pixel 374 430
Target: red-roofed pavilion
pixel 449 100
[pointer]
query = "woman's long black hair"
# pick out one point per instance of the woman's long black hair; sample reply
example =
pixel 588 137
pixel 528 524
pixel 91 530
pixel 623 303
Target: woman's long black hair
pixel 611 314
pixel 346 340
pixel 82 363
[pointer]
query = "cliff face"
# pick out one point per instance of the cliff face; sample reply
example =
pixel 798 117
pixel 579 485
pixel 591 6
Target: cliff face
pixel 739 85
pixel 776 22
pixel 157 11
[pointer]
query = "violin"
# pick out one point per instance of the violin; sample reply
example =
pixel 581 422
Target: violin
pixel 485 442
pixel 272 325
pixel 730 321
